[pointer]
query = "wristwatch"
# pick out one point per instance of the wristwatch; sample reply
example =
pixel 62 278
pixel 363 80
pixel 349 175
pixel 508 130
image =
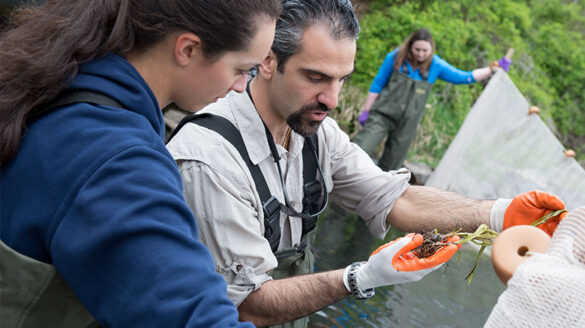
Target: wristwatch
pixel 357 293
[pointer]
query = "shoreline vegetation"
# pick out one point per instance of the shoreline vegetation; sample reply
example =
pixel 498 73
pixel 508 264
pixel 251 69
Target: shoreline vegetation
pixel 548 65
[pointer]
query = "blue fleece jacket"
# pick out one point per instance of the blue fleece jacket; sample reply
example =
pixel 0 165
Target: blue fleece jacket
pixel 439 69
pixel 94 192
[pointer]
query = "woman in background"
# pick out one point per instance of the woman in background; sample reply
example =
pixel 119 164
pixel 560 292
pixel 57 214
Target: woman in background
pixel 398 95
pixel 93 221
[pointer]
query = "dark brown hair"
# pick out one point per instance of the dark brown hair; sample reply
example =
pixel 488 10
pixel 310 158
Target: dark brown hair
pixel 42 46
pixel 405 53
pixel 298 15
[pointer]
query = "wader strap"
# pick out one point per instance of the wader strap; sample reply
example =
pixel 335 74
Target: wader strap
pixel 270 204
pixel 70 97
pixel 311 188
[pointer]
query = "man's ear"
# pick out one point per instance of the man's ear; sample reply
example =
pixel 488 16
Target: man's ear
pixel 188 47
pixel 268 66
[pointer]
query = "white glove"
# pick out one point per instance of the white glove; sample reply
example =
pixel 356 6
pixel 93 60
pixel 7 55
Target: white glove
pixel 378 271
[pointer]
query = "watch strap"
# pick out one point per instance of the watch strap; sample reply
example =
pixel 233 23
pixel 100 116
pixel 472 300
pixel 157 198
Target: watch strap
pixel 357 293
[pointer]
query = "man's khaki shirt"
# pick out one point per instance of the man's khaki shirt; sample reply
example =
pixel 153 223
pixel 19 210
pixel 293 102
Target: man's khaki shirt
pixel 219 188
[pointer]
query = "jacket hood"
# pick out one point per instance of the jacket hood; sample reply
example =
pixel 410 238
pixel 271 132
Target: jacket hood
pixel 115 76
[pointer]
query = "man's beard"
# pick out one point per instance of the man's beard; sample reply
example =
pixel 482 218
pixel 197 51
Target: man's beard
pixel 303 125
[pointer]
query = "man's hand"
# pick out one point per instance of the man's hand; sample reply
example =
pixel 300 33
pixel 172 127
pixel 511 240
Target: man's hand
pixel 526 208
pixel 395 263
pixel 410 261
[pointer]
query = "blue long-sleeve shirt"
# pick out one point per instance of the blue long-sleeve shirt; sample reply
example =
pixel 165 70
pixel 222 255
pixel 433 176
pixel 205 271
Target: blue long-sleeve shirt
pixel 439 69
pixel 94 192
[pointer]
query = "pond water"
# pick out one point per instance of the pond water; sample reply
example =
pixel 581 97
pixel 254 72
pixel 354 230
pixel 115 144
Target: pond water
pixel 441 299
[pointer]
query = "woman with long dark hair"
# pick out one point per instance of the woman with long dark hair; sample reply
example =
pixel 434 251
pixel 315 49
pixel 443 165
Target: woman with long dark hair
pixel 398 95
pixel 94 226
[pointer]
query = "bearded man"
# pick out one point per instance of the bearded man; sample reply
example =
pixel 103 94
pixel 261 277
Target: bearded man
pixel 260 227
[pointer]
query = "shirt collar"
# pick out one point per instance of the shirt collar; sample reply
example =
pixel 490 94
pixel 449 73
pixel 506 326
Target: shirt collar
pixel 251 127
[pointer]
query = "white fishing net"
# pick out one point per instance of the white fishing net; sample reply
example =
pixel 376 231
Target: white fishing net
pixel 501 151
pixel 548 290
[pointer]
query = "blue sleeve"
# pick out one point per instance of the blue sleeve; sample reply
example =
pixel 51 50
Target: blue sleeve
pixel 384 73
pixel 128 247
pixel 451 74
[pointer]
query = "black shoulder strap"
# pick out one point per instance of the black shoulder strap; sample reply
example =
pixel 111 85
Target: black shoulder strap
pixel 227 130
pixel 309 166
pixel 311 188
pixel 70 97
pixel 271 205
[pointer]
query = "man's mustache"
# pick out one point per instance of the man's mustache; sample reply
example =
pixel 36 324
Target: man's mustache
pixel 316 106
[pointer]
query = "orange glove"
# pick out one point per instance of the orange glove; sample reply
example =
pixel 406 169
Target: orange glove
pixel 530 206
pixel 409 261
pixel 395 263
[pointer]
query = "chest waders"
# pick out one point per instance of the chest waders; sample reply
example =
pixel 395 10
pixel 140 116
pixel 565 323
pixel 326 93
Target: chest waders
pixel 33 294
pixel 295 260
pixel 395 115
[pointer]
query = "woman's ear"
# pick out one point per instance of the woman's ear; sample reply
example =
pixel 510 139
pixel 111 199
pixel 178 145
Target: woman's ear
pixel 268 66
pixel 188 47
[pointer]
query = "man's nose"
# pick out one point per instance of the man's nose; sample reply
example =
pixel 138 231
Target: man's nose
pixel 330 96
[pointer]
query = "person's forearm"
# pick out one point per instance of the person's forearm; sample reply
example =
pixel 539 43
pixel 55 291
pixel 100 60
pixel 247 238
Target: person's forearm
pixel 426 208
pixel 481 74
pixel 370 100
pixel 284 300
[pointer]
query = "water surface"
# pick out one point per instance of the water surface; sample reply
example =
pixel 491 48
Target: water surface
pixel 441 299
